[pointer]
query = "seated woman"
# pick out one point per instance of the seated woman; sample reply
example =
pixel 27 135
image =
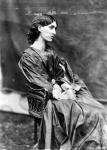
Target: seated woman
pixel 71 119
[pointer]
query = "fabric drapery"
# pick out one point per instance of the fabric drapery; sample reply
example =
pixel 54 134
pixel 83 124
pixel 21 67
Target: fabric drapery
pixel 79 124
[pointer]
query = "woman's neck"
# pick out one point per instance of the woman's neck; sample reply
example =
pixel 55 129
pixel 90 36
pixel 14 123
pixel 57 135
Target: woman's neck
pixel 39 44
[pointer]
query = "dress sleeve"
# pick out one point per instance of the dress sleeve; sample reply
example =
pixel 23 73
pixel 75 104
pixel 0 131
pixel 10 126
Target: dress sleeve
pixel 74 78
pixel 34 71
pixel 61 68
pixel 79 81
pixel 80 86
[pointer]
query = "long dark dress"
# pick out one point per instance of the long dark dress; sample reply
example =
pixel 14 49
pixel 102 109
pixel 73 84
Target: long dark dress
pixel 79 124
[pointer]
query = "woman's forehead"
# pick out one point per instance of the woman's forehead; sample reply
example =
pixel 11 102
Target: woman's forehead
pixel 53 24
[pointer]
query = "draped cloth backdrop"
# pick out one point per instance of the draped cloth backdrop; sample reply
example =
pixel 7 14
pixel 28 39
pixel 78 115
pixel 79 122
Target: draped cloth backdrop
pixel 82 28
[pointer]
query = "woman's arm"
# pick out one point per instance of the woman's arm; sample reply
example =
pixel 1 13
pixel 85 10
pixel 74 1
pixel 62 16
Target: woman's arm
pixel 34 72
pixel 78 83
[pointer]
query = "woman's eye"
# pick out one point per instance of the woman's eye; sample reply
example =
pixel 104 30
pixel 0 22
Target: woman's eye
pixel 51 27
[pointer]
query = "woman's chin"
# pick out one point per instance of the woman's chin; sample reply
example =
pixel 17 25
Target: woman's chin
pixel 49 40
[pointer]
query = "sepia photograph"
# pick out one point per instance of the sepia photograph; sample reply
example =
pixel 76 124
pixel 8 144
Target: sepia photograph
pixel 53 75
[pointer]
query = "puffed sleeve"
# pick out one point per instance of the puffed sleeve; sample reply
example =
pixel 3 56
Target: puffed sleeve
pixel 34 71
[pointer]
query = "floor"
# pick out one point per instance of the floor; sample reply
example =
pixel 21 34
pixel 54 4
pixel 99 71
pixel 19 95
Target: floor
pixel 16 131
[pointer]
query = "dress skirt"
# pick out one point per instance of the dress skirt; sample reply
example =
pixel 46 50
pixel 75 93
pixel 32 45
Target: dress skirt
pixel 73 125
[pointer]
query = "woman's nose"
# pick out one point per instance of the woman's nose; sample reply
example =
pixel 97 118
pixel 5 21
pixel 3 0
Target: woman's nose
pixel 54 31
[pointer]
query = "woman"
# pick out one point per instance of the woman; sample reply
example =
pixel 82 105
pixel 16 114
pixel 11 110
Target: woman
pixel 71 119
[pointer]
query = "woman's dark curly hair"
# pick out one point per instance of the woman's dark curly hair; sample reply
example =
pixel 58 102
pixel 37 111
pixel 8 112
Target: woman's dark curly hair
pixel 42 20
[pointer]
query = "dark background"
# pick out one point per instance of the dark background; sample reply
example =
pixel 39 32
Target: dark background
pixel 81 38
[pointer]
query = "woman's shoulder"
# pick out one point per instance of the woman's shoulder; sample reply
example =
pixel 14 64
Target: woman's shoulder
pixel 29 54
pixel 28 51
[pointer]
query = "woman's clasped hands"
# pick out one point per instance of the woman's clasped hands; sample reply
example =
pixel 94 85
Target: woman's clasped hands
pixel 63 92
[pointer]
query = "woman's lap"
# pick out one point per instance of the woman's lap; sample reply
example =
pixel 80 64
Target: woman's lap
pixel 80 123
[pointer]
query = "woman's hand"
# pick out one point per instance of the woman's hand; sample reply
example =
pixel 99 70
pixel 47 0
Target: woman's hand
pixel 69 91
pixel 77 87
pixel 65 86
pixel 56 91
pixel 68 94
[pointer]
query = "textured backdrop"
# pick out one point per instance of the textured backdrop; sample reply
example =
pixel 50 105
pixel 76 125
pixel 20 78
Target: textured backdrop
pixel 82 30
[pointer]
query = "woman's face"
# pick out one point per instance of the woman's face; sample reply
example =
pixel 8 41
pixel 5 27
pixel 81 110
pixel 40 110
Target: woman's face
pixel 48 32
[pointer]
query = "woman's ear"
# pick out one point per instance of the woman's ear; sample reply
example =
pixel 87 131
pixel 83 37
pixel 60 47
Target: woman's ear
pixel 39 28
